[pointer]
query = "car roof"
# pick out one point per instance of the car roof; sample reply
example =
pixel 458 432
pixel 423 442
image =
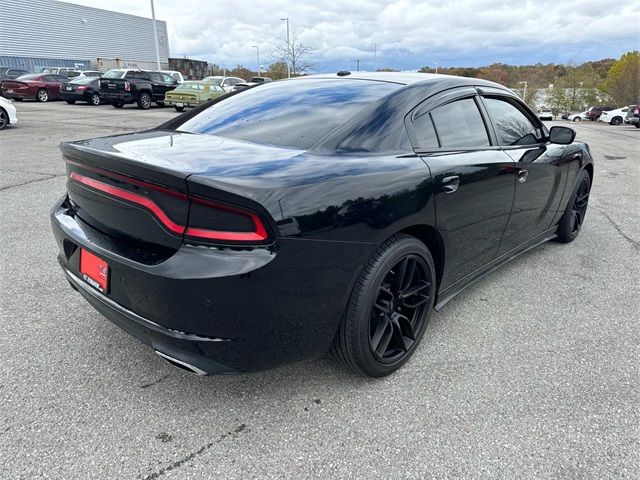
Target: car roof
pixel 409 78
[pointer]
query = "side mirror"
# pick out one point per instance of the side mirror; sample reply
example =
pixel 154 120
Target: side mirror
pixel 562 135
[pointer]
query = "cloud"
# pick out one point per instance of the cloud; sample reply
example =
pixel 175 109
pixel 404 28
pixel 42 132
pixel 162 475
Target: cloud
pixel 408 34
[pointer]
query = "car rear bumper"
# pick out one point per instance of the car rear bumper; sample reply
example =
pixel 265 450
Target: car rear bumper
pixel 218 309
pixel 76 96
pixel 181 103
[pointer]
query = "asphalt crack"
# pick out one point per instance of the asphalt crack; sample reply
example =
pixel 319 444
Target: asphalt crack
pixel 48 177
pixel 634 243
pixel 239 429
pixel 155 382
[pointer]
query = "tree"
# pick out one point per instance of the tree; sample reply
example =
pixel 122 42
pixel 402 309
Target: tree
pixel 277 70
pixel 295 54
pixel 623 79
pixel 242 72
pixel 386 69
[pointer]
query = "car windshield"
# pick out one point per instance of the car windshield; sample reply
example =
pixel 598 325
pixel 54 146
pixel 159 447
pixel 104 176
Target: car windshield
pixel 30 76
pixel 295 114
pixel 49 70
pixel 190 86
pixel 115 74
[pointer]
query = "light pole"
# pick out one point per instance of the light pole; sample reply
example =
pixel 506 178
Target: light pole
pixel 288 48
pixel 375 55
pixel 257 47
pixel 524 94
pixel 436 68
pixel 155 34
pixel 357 65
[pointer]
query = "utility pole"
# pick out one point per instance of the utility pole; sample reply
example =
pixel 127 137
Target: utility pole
pixel 155 35
pixel 375 56
pixel 524 94
pixel 357 65
pixel 257 47
pixel 288 48
pixel 436 68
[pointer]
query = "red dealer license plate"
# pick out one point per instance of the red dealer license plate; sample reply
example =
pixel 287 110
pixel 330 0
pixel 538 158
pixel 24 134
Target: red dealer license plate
pixel 94 270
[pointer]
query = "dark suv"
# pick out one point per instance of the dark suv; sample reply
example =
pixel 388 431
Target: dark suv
pixel 633 115
pixel 594 112
pixel 121 86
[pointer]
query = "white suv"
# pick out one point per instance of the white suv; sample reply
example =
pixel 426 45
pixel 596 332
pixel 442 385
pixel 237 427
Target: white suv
pixel 545 114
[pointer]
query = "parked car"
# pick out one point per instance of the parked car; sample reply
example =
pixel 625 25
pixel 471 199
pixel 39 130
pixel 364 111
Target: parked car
pixel 565 115
pixel 175 74
pixel 594 112
pixel 9 73
pixel 8 114
pixel 66 71
pixel 173 233
pixel 119 87
pixel 84 73
pixel 577 117
pixel 545 114
pixel 41 87
pixel 259 80
pixel 225 82
pixel 82 89
pixel 192 93
pixel 633 115
pixel 614 117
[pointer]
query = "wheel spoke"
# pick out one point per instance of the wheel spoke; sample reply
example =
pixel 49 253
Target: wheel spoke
pixel 382 335
pixel 404 274
pixel 402 332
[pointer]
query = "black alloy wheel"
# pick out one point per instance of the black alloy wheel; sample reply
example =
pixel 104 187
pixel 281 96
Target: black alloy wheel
pixel 397 312
pixel 4 119
pixel 389 308
pixel 576 210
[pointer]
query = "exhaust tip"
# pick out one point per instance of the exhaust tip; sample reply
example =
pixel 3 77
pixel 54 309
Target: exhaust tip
pixel 181 364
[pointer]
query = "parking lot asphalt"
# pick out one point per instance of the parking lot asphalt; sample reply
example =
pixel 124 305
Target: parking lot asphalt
pixel 532 372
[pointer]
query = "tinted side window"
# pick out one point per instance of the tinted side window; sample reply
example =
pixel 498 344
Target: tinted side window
pixel 424 133
pixel 459 124
pixel 512 125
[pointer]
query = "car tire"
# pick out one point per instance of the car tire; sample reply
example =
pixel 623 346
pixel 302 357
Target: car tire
pixel 42 95
pixel 577 119
pixel 616 121
pixel 382 327
pixel 179 109
pixel 573 217
pixel 70 102
pixel 94 99
pixel 637 125
pixel 117 104
pixel 144 101
pixel 4 119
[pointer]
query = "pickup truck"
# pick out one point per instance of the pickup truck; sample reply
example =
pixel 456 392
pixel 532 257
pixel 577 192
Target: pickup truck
pixel 120 86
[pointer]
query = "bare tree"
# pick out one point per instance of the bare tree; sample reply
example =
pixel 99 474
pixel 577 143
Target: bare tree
pixel 296 54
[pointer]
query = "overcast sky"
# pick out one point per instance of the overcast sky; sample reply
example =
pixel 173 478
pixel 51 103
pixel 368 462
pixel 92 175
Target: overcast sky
pixel 408 34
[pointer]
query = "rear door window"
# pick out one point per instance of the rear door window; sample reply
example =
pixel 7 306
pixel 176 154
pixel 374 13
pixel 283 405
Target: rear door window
pixel 460 125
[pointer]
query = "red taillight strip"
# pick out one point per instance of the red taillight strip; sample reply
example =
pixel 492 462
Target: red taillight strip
pixel 127 179
pixel 131 197
pixel 259 234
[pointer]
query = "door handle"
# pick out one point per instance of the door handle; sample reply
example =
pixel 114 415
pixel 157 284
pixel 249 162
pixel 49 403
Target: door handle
pixel 450 184
pixel 522 175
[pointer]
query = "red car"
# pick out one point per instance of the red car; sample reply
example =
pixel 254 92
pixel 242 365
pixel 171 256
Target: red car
pixel 41 86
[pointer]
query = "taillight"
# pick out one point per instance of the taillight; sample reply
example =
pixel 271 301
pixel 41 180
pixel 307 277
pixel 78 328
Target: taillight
pixel 82 87
pixel 212 221
pixel 208 221
pixel 127 87
pixel 636 111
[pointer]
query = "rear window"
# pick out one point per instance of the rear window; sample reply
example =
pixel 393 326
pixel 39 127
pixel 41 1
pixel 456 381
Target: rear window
pixel 295 114
pixel 191 86
pixel 83 80
pixel 115 74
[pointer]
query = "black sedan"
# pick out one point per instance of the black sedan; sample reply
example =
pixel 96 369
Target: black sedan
pixel 324 213
pixel 84 89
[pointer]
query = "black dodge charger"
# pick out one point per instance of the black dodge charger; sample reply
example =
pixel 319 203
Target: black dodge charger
pixel 325 213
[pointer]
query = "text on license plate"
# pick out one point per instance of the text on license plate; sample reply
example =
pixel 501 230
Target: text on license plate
pixel 94 270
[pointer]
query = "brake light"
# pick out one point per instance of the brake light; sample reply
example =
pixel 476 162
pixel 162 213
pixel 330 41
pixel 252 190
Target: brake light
pixel 127 87
pixel 82 87
pixel 636 110
pixel 208 220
